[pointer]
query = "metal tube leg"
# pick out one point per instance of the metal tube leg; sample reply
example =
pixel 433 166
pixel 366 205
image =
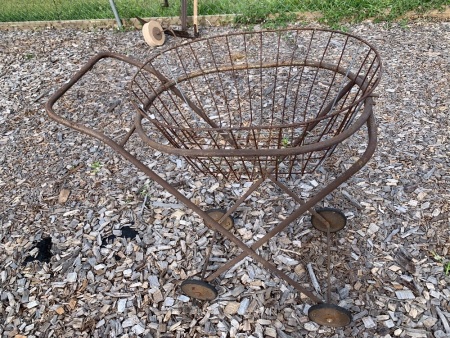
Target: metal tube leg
pixel 328 265
pixel 208 255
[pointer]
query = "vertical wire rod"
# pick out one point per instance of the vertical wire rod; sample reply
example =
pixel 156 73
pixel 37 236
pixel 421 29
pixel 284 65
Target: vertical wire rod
pixel 328 264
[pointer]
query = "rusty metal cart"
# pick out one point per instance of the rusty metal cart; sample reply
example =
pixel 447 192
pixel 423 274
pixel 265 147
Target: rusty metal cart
pixel 254 106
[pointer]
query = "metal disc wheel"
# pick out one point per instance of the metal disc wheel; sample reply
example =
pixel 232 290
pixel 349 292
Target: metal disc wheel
pixel 334 217
pixel 198 289
pixel 153 33
pixel 217 214
pixel 329 315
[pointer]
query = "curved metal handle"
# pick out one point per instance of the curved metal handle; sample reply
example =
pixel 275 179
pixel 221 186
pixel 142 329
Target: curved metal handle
pixel 75 78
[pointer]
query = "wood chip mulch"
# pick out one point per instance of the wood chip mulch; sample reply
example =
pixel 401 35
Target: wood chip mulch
pixel 90 247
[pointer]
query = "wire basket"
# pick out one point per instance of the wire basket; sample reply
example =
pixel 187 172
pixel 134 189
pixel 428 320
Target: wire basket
pixel 249 103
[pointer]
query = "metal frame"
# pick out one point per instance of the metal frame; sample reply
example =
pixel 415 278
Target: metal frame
pixel 366 117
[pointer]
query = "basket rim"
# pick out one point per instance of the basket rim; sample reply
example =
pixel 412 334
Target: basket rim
pixel 252 152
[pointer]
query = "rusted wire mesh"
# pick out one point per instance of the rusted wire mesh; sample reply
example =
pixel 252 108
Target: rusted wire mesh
pixel 249 103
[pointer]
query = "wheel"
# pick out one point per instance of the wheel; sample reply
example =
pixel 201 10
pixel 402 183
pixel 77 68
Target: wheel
pixel 329 315
pixel 198 289
pixel 217 214
pixel 334 217
pixel 153 33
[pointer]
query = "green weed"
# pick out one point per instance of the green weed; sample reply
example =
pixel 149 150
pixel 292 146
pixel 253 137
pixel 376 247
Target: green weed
pixel 285 142
pixel 447 269
pixel 403 23
pixel 436 257
pixel 96 167
pixel 144 190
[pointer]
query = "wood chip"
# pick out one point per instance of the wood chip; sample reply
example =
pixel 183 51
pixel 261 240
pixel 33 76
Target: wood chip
pixel 404 294
pixel 63 196
pixel 243 306
pixel 270 332
pixel 32 304
pixel 287 260
pixel 313 278
pixel 443 320
pixel 72 303
pixel 369 322
pixel 311 326
pixel 121 305
pixel 231 308
pixel 389 323
pixel 72 277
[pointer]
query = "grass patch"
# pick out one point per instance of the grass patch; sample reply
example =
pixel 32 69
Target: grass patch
pixel 47 10
pixel 353 11
pixel 337 12
pixel 334 12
